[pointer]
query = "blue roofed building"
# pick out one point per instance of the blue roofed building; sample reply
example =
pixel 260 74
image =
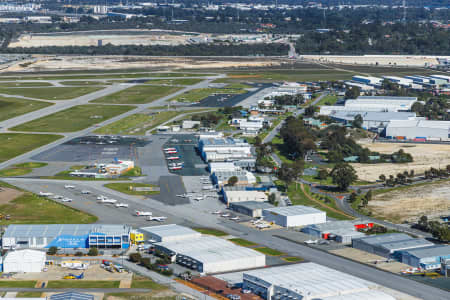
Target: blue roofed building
pixel 428 258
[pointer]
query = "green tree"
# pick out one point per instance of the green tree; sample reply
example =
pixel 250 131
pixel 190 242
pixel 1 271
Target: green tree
pixel 135 257
pixel 352 198
pixel 232 180
pixel 93 251
pixel 357 121
pixel 352 93
pixel 343 175
pixel 52 250
pixel 322 174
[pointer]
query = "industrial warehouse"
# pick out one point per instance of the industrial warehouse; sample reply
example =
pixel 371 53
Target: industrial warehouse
pixel 341 231
pixel 308 281
pixel 68 236
pixel 293 216
pixel 207 254
pixel 169 233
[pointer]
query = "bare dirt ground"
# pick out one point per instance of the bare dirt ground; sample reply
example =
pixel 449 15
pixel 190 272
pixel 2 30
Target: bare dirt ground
pixel 382 60
pixel 78 62
pixel 425 156
pixel 410 204
pixel 7 195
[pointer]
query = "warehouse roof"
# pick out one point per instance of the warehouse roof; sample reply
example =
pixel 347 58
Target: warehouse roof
pixel 420 123
pixel 251 205
pixel 388 98
pixel 293 210
pixel 246 195
pixel 384 238
pixel 373 115
pixel 224 142
pixel 53 230
pixel 209 249
pixel 170 230
pixel 311 279
pixel 71 296
pixel 365 295
pixel 437 250
pixel 411 243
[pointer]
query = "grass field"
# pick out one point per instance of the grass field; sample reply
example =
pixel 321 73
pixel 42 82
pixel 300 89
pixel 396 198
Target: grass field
pixel 51 93
pixel 13 107
pixel 310 74
pixel 29 295
pixel 184 81
pixel 197 95
pixel 242 242
pixel 211 231
pixel 82 284
pixel 84 83
pixel 327 100
pixel 145 283
pixel 32 209
pixel 17 283
pixel 21 169
pixel 14 144
pixel 65 175
pixel 74 119
pixel 292 259
pixel 127 188
pixel 24 84
pixel 139 94
pixel 268 251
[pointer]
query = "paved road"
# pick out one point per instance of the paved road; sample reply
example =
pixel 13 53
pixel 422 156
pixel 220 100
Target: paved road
pixel 87 290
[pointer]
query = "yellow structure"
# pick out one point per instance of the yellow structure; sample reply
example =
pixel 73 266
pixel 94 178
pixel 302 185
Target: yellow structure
pixel 136 238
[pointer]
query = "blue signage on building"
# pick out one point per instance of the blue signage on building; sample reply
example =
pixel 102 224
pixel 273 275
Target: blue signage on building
pixel 70 241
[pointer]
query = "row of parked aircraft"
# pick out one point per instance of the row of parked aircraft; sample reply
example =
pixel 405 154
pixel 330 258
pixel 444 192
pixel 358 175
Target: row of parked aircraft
pixel 173 166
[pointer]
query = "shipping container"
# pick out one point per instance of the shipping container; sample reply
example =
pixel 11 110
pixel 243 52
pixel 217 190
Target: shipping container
pixel 434 139
pixel 419 140
pixel 400 137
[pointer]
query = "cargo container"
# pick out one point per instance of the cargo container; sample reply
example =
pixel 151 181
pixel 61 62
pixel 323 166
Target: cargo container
pixel 419 140
pixel 400 138
pixel 434 139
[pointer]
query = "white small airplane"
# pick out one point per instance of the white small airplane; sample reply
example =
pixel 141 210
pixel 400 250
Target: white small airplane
pixel 143 213
pixel 310 242
pixel 121 205
pixel 204 178
pixel 225 215
pixel 262 226
pixel 236 218
pixel 170 149
pixel 217 212
pixel 173 158
pixel 176 164
pixel 58 197
pixel 107 200
pixel 66 200
pixel 157 219
pixel 207 187
pixel 182 195
pixel 176 168
pixel 101 197
pixel 85 192
pixel 198 198
pixel 67 186
pixel 44 194
pixel 171 152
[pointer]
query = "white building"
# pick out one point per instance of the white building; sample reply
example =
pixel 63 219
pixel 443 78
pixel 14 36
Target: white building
pixel 373 104
pixel 241 196
pixel 372 119
pixel 292 216
pixel 169 233
pixel 361 86
pixel 399 80
pixel 24 261
pixel 411 129
pixel 308 281
pixel 369 80
pixel 292 88
pixel 187 124
pixel 223 167
pixel 224 149
pixel 209 254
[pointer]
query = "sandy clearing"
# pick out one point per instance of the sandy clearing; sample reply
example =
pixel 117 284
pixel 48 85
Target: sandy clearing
pixel 7 195
pixel 409 204
pixel 383 60
pixel 80 62
pixel 425 156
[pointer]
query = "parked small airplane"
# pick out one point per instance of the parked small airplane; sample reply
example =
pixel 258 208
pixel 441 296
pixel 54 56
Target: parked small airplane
pixel 170 149
pixel 262 226
pixel 66 200
pixel 86 192
pixel 171 152
pixel 101 197
pixel 58 197
pixel 225 215
pixel 309 242
pixel 121 205
pixel 176 168
pixel 182 195
pixel 143 213
pixel 157 219
pixel 217 212
pixel 198 198
pixel 44 194
pixel 236 218
pixel 67 186
pixel 107 200
pixel 173 158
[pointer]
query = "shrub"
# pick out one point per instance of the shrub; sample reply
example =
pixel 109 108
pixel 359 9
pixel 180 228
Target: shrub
pixel 93 251
pixel 52 250
pixel 135 257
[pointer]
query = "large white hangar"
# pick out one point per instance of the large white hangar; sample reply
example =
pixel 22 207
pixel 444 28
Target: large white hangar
pixel 169 233
pixel 309 281
pixel 292 216
pixel 209 254
pixel 26 260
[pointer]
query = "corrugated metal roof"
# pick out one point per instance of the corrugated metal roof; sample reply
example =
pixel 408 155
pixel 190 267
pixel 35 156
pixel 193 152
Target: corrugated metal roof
pixel 53 230
pixel 252 205
pixel 437 250
pixel 385 238
pixel 366 295
pixel 311 280
pixel 411 243
pixel 209 249
pixel 373 115
pixel 420 123
pixel 72 296
pixel 294 210
pixel 388 98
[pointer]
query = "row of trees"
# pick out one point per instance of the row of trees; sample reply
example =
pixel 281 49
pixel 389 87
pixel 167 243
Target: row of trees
pixel 406 177
pixel 438 230
pixel 163 259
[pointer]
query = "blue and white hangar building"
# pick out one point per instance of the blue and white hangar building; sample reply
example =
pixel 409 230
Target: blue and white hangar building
pixel 67 236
